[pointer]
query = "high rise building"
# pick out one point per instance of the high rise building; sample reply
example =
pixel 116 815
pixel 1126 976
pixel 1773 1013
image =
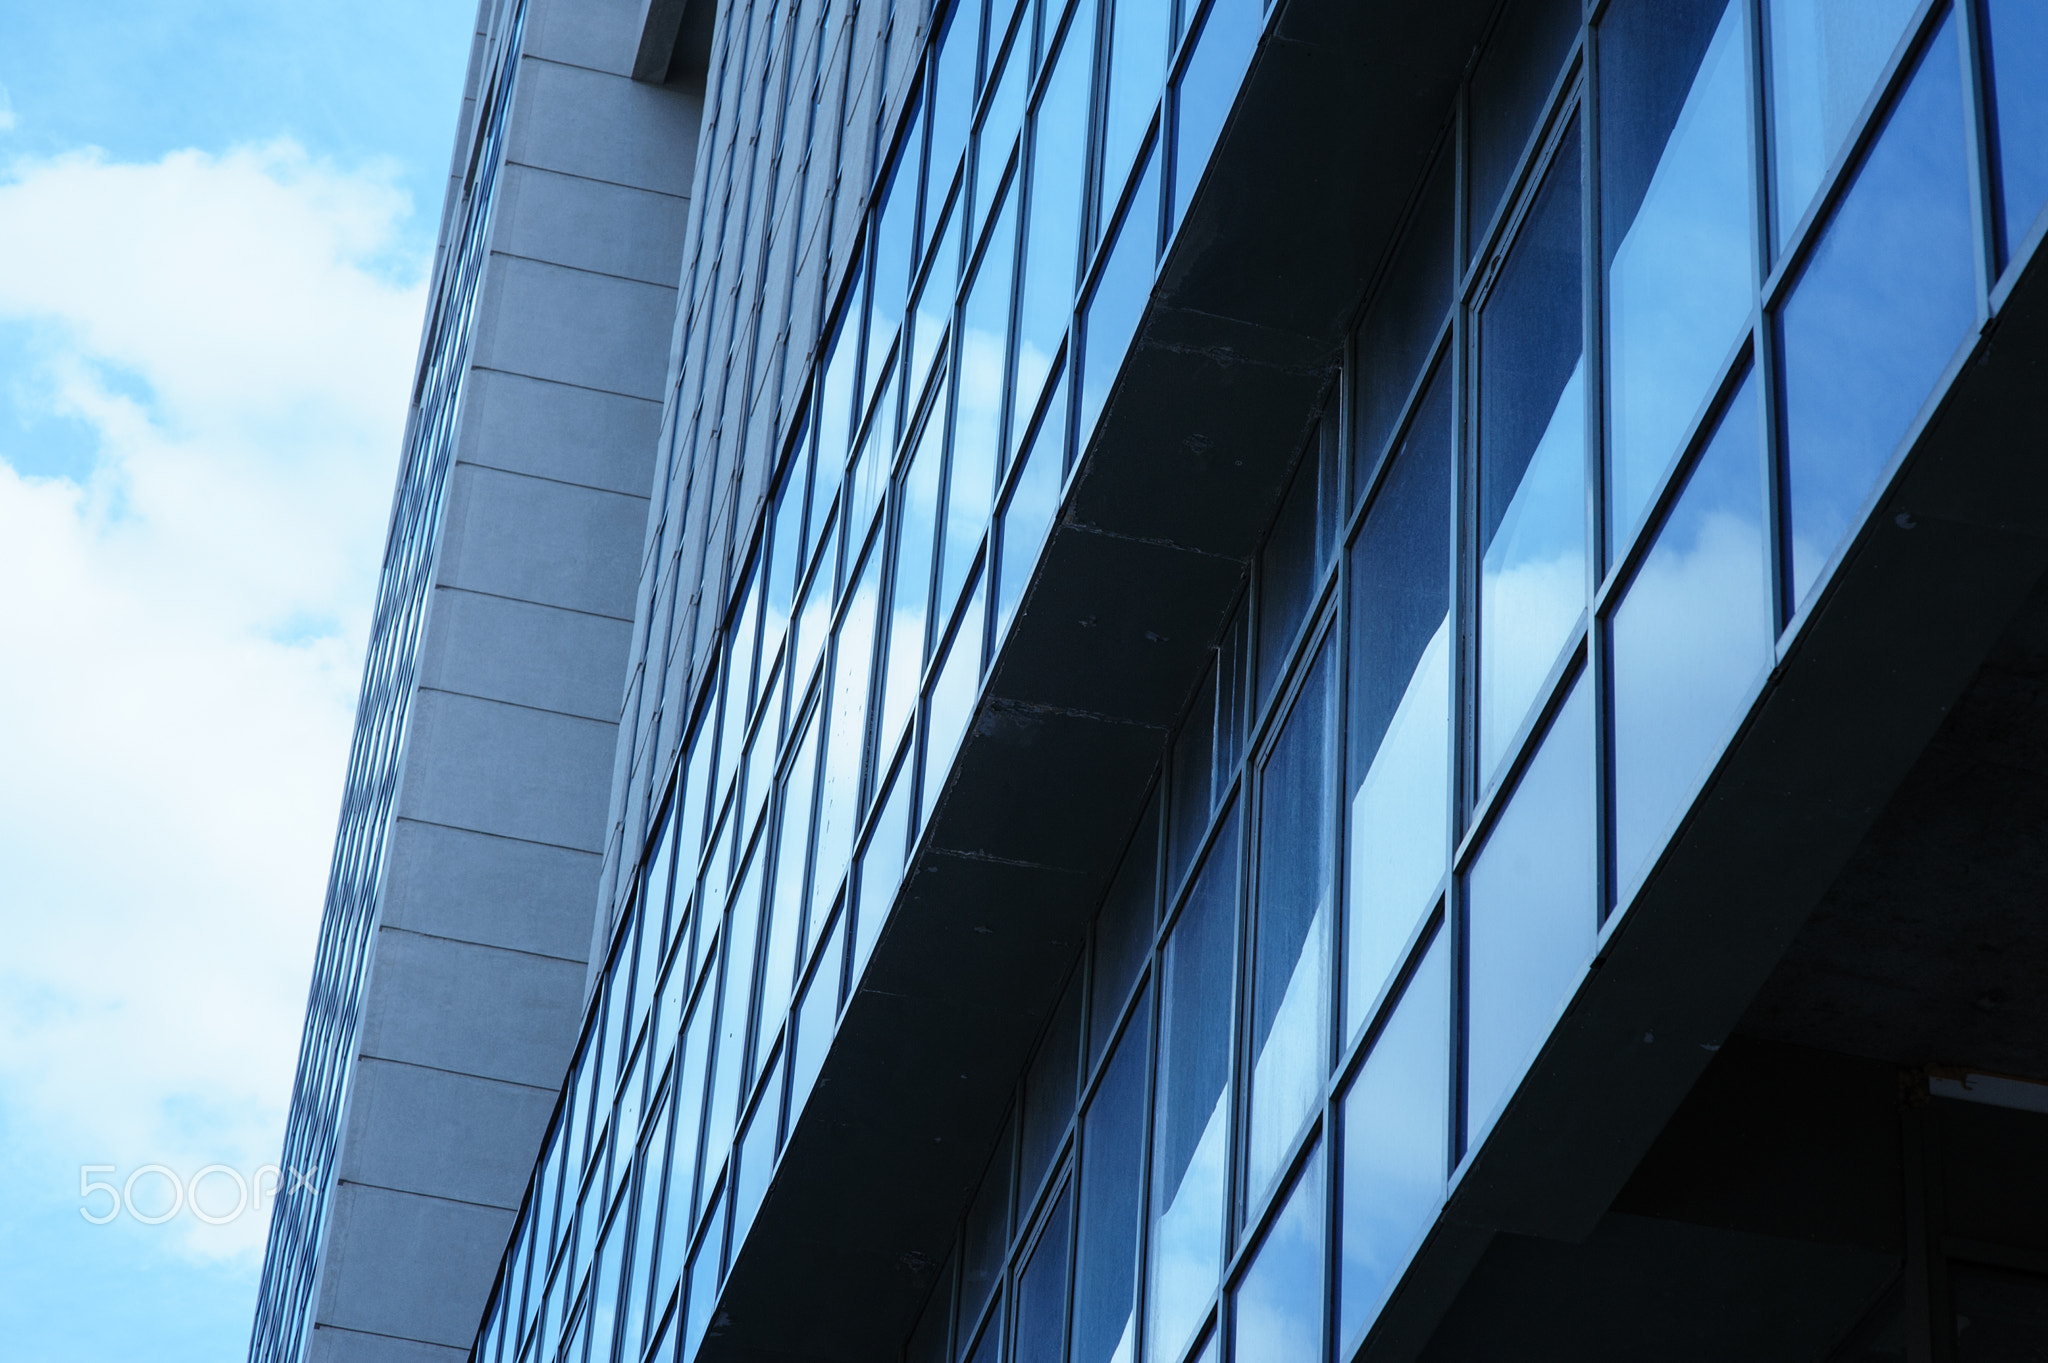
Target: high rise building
pixel 1306 681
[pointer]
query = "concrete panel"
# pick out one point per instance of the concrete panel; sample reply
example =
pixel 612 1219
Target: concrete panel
pixel 600 34
pixel 441 1134
pixel 329 1344
pixel 584 122
pixel 554 430
pixel 407 1266
pixel 473 1009
pixel 496 768
pixel 555 544
pixel 572 326
pixel 477 887
pixel 497 648
pixel 591 225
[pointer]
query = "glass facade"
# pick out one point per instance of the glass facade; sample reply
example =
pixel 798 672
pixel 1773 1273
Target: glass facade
pixel 1643 355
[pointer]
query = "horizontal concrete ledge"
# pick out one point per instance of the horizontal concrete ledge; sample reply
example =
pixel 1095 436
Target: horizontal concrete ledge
pixel 1236 354
pixel 1949 555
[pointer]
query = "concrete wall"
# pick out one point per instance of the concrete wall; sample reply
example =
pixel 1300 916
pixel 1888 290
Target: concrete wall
pixel 476 990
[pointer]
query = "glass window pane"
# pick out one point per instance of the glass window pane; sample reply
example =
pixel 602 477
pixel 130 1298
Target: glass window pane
pixel 953 87
pixel 1397 1142
pixel 1194 781
pixel 689 1119
pixel 1530 909
pixel 893 245
pixel 933 309
pixel 1291 932
pixel 1137 67
pixel 952 702
pixel 2016 34
pixel 1117 302
pixel 1400 705
pixel 871 467
pixel 1191 1106
pixel 817 1018
pixel 910 591
pixel 881 870
pixel 839 806
pixel 704 1282
pixel 1825 57
pixel 735 1007
pixel 653 1169
pixel 1052 243
pixel 604 1293
pixel 978 407
pixel 1407 313
pixel 1207 91
pixel 1532 459
pixel 1049 1089
pixel 785 553
pixel 792 847
pixel 1027 516
pixel 1287 574
pixel 1112 1146
pixel 814 615
pixel 1042 1290
pixel 1885 299
pixel 1677 222
pixel 1123 931
pixel 1690 638
pixel 1279 1316
pixel 998 132
pixel 1522 61
pixel 987 1234
pixel 756 1156
pixel 835 405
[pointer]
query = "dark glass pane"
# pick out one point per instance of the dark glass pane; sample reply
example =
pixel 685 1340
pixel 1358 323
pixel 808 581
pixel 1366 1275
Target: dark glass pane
pixel 1049 1088
pixel 988 1346
pixel 1532 459
pixel 1884 301
pixel 1137 69
pixel 1123 930
pixel 1042 1289
pixel 1207 90
pixel 1194 782
pixel 1400 727
pixel 1117 302
pixel 1191 1107
pixel 1523 59
pixel 1233 694
pixel 1290 1001
pixel 953 86
pixel 2001 1314
pixel 1677 225
pixel 2016 33
pixel 952 700
pixel 1690 638
pixel 1825 57
pixel 1407 313
pixel 1059 150
pixel 1027 516
pixel 910 592
pixel 1397 1142
pixel 987 1234
pixel 1530 907
pixel 1287 574
pixel 1279 1316
pixel 1112 1146
pixel 978 405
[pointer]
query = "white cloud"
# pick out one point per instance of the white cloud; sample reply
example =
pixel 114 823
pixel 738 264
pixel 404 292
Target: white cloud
pixel 184 629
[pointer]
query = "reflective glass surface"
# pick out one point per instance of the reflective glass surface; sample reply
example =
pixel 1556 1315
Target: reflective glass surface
pixel 1678 226
pixel 1532 459
pixel 1883 302
pixel 1530 909
pixel 954 688
pixel 1111 1162
pixel 1279 1307
pixel 1290 951
pixel 1825 57
pixel 2015 33
pixel 1052 241
pixel 1042 1290
pixel 978 405
pixel 1508 88
pixel 1399 734
pixel 1407 312
pixel 910 593
pixel 1691 637
pixel 1028 514
pixel 1207 87
pixel 1191 1107
pixel 1117 301
pixel 1397 1142
pixel 1137 66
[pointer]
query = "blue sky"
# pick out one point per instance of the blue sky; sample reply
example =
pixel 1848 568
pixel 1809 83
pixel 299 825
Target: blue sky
pixel 216 218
